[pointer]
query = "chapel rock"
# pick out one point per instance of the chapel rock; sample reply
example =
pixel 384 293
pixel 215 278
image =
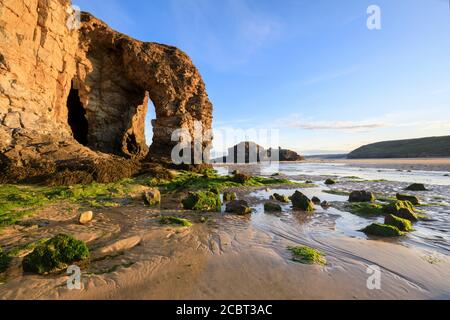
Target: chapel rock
pixel 73 101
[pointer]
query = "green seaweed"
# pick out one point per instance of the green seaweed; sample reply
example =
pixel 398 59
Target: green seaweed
pixel 402 224
pixel 382 230
pixel 175 221
pixel 402 209
pixel 19 250
pixel 365 208
pixel 55 254
pixel 229 196
pixel 202 201
pixel 20 201
pixel 186 180
pixel 337 192
pixel 307 255
pixel 4 261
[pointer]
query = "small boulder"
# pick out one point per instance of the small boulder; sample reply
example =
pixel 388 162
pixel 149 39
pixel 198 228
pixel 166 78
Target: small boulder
pixel 85 217
pixel 315 200
pixel 302 202
pixel 152 197
pixel 416 187
pixel 229 196
pixel 272 207
pixel 325 204
pixel 382 230
pixel 279 197
pixel 202 201
pixel 239 207
pixel 118 246
pixel 413 199
pixel 329 182
pixel 361 196
pixel 401 224
pixel 401 209
pixel 241 178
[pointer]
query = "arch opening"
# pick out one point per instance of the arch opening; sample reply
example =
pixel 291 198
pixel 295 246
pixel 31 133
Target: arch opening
pixel 77 117
pixel 149 118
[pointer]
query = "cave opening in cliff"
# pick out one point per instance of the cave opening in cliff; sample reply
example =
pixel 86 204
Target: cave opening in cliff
pixel 77 117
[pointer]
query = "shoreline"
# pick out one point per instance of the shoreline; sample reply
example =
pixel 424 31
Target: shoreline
pixel 235 257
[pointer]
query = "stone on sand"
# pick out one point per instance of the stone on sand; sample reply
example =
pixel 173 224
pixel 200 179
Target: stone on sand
pixel 85 217
pixel 152 197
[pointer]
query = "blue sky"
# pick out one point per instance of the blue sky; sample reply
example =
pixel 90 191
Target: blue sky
pixel 311 69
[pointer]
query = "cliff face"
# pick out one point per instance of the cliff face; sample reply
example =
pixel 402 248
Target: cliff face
pixel 73 101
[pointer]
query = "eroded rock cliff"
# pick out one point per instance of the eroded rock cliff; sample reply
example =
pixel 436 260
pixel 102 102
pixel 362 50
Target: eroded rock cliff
pixel 73 101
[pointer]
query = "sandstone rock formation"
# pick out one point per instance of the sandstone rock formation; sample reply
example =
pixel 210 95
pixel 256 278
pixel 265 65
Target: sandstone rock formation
pixel 250 152
pixel 73 101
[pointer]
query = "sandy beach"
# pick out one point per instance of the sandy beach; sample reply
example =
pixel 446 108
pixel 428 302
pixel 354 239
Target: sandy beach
pixel 232 257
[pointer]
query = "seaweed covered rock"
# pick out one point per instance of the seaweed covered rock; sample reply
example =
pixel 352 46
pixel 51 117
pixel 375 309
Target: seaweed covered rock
pixel 325 204
pixel 280 198
pixel 401 209
pixel 4 261
pixel 239 207
pixel 315 200
pixel 175 221
pixel 202 201
pixel 413 199
pixel 329 182
pixel 416 187
pixel 152 197
pixel 366 209
pixel 382 230
pixel 401 224
pixel 302 202
pixel 229 196
pixel 55 254
pixel 272 207
pixel 307 255
pixel 215 190
pixel 361 196
pixel 241 178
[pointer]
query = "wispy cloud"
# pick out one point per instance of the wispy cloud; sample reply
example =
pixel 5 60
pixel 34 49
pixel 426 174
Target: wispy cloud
pixel 248 29
pixel 295 121
pixel 328 77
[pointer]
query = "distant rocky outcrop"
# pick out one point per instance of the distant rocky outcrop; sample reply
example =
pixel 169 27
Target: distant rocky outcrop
pixel 73 99
pixel 251 152
pixel 286 155
pixel 412 148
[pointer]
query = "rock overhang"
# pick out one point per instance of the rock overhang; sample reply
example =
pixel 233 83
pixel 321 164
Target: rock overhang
pixel 75 110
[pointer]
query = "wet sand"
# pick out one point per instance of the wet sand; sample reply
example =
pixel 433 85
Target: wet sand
pixel 133 256
pixel 229 257
pixel 427 164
